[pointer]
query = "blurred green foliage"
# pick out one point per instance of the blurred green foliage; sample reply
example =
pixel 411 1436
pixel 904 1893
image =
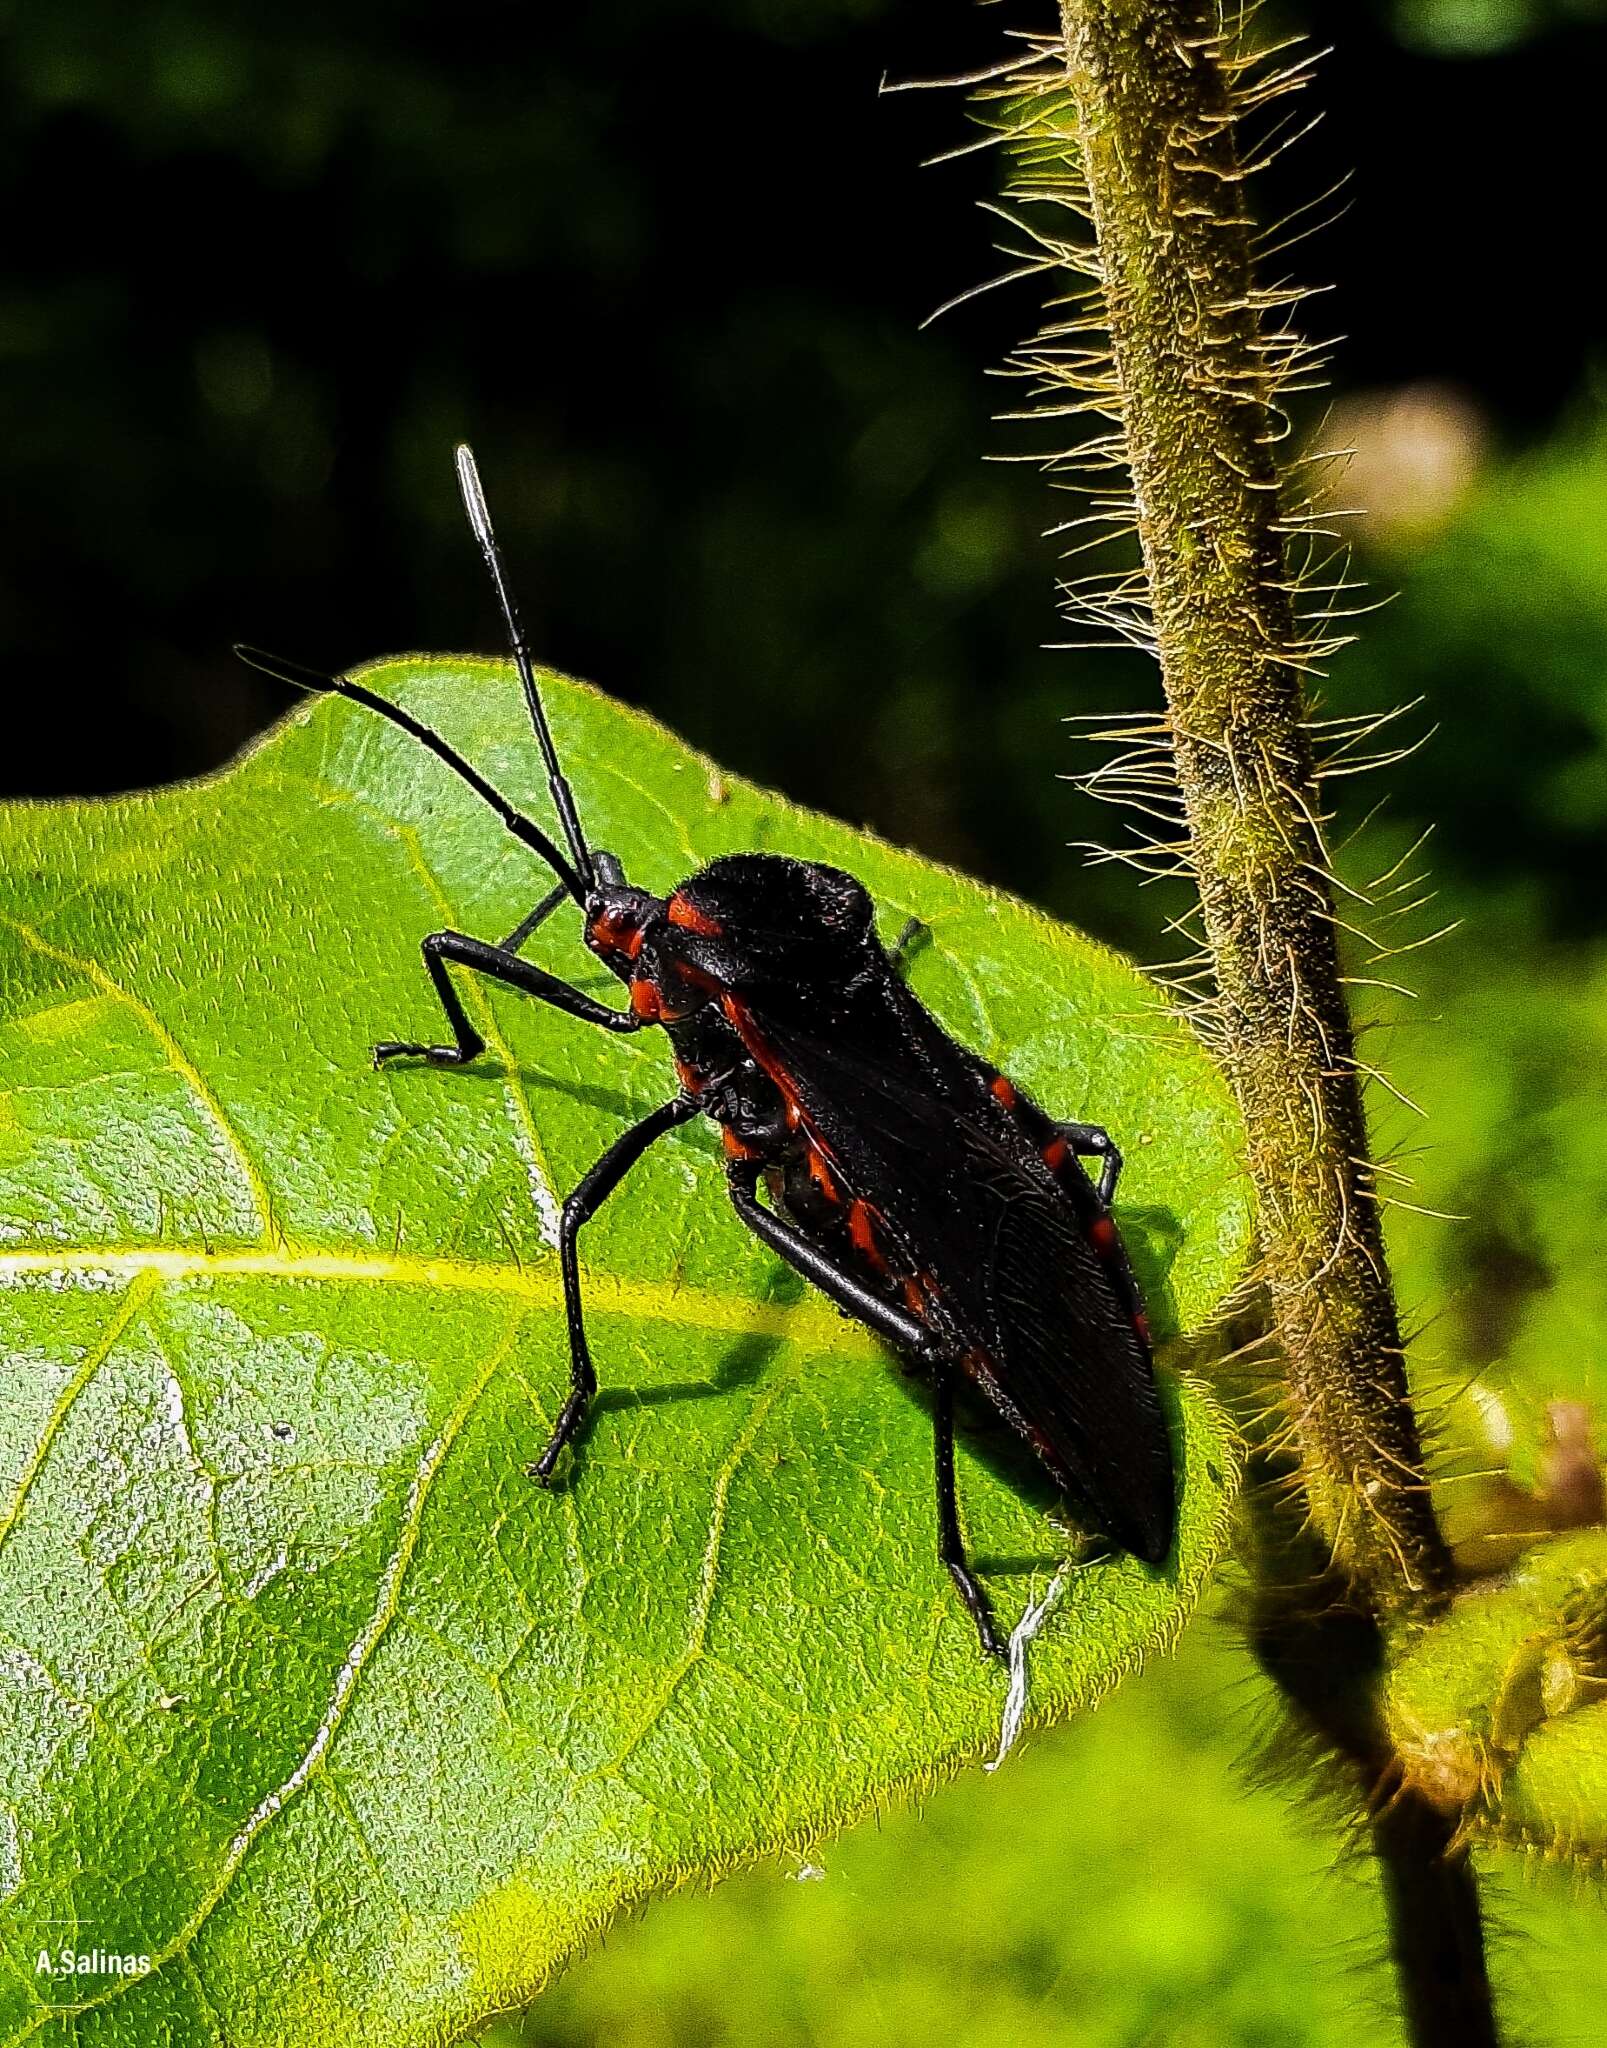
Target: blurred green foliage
pixel 1116 1885
pixel 1501 626
pixel 1462 28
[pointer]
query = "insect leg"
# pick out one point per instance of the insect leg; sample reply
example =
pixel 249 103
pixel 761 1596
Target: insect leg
pixel 543 910
pixel 839 1286
pixel 501 965
pixel 1093 1141
pixel 583 1203
pixel 950 1543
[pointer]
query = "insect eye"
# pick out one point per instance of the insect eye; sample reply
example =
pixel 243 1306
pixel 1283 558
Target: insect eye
pixel 615 931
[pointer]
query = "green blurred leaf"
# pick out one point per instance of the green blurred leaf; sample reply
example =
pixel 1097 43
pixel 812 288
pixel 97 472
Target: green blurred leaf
pixel 1502 1257
pixel 1495 1243
pixel 305 1692
pixel 1480 28
pixel 1501 627
pixel 1122 1881
pixel 1502 1706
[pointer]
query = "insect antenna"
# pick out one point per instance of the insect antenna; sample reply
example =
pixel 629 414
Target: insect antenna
pixel 283 670
pixel 562 796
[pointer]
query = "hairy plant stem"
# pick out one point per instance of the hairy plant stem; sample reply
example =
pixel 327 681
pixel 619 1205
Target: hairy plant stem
pixel 1156 122
pixel 1195 384
pixel 1323 1647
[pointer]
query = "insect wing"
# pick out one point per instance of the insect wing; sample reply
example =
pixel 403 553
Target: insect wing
pixel 1036 1315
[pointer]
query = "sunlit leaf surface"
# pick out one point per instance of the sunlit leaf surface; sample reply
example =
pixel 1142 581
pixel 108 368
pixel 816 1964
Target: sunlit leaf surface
pixel 306 1693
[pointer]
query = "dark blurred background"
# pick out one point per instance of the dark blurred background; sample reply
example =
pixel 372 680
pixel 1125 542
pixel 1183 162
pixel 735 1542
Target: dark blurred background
pixel 665 265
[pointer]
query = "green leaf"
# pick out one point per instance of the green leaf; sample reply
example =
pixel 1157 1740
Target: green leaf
pixel 1501 1707
pixel 305 1692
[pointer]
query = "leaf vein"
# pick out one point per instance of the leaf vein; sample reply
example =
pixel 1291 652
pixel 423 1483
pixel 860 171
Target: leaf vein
pixel 807 1319
pixel 140 1287
pixel 708 1575
pixel 526 1137
pixel 356 1661
pixel 178 1060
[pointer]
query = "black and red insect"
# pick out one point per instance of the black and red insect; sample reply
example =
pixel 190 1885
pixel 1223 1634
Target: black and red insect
pixel 918 1188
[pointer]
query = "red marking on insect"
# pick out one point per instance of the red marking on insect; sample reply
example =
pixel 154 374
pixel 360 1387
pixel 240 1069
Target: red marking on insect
pixel 736 1015
pixel 1055 1154
pixel 1141 1325
pixel 1005 1091
pixel 689 1077
pixel 916 1288
pixel 862 1230
pixel 646 1001
pixel 1045 1449
pixel 735 1147
pixel 691 919
pixel 697 977
pixel 610 931
pixel 1102 1235
pixel 823 1177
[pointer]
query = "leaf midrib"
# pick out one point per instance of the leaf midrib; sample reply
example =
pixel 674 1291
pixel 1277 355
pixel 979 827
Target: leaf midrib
pixel 147 1269
pixel 540 1284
